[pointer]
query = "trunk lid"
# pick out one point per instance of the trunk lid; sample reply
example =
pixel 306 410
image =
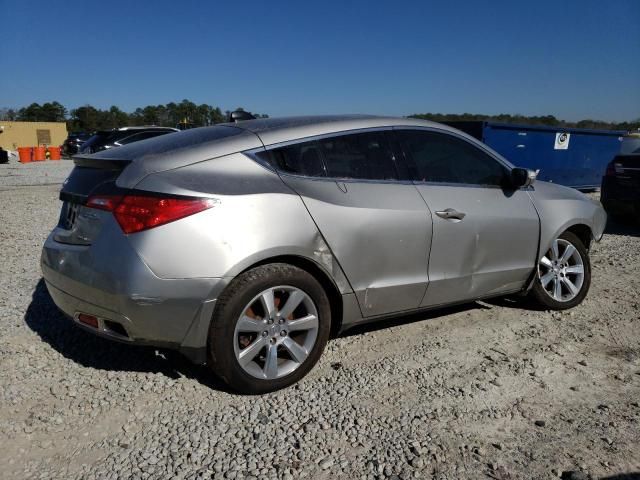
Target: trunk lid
pixel 79 225
pixel 179 149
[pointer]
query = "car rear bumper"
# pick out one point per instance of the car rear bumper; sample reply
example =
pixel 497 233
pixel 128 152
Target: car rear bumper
pixel 108 280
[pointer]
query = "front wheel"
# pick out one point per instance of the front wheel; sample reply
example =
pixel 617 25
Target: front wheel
pixel 269 328
pixel 564 274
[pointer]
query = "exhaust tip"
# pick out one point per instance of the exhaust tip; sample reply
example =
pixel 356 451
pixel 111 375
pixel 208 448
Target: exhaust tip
pixel 102 325
pixel 88 320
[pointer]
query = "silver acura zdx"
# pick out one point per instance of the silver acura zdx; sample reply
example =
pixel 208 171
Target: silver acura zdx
pixel 245 245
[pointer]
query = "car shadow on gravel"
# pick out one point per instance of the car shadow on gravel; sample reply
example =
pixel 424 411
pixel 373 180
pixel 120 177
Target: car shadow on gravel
pixel 519 302
pixel 88 350
pixel 397 321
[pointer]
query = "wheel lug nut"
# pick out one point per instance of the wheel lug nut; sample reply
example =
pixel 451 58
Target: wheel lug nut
pixel 281 321
pixel 265 333
pixel 283 333
pixel 273 340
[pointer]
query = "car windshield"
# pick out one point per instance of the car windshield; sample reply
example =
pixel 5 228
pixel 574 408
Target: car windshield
pixel 97 141
pixel 78 136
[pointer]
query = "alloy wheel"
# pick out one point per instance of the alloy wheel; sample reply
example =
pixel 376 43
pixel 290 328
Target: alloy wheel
pixel 276 332
pixel 561 271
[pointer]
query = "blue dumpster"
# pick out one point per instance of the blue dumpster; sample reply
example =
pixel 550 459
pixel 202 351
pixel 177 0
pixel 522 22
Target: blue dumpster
pixel 574 157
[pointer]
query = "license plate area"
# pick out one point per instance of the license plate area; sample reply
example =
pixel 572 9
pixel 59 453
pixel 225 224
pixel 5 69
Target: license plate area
pixel 69 215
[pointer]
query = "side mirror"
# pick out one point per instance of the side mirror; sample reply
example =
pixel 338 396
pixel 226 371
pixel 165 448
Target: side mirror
pixel 522 177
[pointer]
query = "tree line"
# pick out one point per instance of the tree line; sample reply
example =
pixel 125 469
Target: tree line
pixel 545 120
pixel 89 118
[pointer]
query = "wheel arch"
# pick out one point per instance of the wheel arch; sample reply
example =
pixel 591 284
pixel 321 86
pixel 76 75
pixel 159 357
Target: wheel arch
pixel 581 229
pixel 583 232
pixel 321 275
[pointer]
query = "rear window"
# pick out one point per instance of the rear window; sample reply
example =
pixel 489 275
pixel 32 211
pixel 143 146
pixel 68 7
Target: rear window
pixel 630 145
pixel 172 141
pixel 300 159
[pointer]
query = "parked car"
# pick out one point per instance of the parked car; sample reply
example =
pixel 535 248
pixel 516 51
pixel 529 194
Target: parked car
pixel 244 245
pixel 620 192
pixel 73 143
pixel 105 139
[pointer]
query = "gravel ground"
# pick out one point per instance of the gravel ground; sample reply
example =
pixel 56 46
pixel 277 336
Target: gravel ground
pixel 32 174
pixel 488 390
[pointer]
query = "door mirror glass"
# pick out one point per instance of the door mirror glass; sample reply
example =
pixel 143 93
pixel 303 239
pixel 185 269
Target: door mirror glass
pixel 522 177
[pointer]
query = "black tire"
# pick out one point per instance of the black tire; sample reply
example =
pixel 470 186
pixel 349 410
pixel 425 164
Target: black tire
pixel 540 295
pixel 229 308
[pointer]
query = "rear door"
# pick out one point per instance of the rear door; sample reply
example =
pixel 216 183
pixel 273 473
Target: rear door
pixel 485 236
pixel 377 225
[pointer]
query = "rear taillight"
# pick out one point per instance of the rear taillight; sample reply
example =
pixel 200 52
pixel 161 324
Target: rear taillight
pixel 104 202
pixel 614 168
pixel 135 213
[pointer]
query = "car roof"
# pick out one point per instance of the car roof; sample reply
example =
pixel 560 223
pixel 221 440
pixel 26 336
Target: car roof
pixel 282 129
pixel 199 144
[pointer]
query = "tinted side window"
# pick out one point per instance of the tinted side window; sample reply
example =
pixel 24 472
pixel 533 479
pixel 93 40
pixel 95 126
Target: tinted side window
pixel 300 159
pixel 443 158
pixel 360 156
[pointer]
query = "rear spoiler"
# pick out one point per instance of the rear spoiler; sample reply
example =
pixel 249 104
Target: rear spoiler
pixel 105 164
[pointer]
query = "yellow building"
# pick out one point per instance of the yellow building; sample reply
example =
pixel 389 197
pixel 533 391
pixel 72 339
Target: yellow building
pixel 31 134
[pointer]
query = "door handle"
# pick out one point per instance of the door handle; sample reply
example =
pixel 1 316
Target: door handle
pixel 451 214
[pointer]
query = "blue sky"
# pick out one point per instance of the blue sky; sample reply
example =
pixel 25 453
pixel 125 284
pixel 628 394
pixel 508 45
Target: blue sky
pixel 572 59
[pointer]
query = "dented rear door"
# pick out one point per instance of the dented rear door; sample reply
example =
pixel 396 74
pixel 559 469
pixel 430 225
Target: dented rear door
pixel 378 226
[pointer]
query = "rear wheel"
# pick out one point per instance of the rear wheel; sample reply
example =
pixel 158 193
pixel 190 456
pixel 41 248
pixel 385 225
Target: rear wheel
pixel 269 328
pixel 564 274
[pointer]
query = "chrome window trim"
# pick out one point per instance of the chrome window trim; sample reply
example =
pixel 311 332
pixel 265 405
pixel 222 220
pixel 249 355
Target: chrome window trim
pixel 346 180
pixel 312 138
pixel 452 184
pixel 474 185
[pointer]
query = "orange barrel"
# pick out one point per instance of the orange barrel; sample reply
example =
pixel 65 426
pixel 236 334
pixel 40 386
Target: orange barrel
pixel 54 153
pixel 38 154
pixel 26 154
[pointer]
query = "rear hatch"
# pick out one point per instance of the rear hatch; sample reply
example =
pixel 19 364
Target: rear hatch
pixel 118 171
pixel 79 225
